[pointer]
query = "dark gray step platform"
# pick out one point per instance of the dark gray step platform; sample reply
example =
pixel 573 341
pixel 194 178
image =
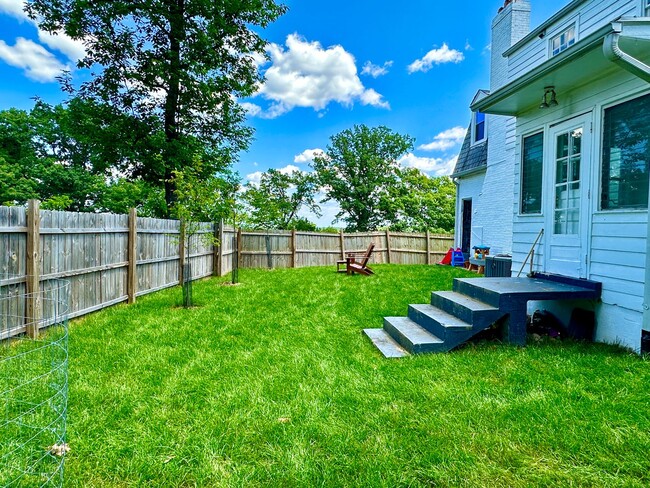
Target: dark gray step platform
pixel 414 338
pixel 501 292
pixel 385 343
pixel 437 321
pixel 465 308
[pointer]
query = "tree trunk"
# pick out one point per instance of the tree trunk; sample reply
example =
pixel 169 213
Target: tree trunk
pixel 176 33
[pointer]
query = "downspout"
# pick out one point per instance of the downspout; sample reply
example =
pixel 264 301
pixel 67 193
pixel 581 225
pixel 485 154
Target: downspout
pixel 614 53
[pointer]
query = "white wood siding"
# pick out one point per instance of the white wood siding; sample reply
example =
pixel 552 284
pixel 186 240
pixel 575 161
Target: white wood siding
pixel 618 247
pixel 590 17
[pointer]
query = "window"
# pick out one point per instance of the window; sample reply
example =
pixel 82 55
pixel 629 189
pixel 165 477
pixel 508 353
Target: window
pixel 646 7
pixel 479 126
pixel 531 174
pixel 626 155
pixel 563 41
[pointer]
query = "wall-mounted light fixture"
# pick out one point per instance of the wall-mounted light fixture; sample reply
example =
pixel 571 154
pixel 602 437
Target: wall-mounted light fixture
pixel 546 102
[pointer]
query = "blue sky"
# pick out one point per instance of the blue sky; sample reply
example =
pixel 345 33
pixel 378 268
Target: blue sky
pixel 413 66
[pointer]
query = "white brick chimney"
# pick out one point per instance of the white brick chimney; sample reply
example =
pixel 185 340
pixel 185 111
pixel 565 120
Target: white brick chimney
pixel 511 24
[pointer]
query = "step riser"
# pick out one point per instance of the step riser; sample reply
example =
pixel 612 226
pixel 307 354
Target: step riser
pixel 436 328
pixel 478 318
pixel 407 344
pixel 476 291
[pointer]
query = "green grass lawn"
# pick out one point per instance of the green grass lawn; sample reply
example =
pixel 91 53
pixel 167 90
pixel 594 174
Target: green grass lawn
pixel 272 383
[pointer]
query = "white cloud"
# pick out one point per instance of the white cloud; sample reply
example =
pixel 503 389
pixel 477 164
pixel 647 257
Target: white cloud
pixel 374 70
pixel 304 74
pixel 433 166
pixel 436 56
pixel 74 50
pixel 254 178
pixel 251 108
pixel 307 156
pixel 371 97
pixel 445 140
pixel 289 168
pixel 13 8
pixel 38 63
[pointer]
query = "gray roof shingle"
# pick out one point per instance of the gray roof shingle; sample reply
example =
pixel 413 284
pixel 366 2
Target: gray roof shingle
pixel 471 157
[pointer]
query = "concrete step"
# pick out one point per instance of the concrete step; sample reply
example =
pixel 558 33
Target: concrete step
pixel 385 343
pixel 437 321
pixel 472 288
pixel 467 309
pixel 412 337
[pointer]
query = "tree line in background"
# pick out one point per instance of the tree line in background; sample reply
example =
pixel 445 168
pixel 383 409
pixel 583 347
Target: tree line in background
pixel 87 157
pixel 158 127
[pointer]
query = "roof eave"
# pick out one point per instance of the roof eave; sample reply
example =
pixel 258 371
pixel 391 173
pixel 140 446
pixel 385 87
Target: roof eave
pixel 542 28
pixel 578 50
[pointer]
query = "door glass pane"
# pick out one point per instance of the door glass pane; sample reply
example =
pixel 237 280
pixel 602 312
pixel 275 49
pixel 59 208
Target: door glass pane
pixel 561 176
pixel 575 169
pixel 567 182
pixel 562 146
pixel 576 141
pixel 560 197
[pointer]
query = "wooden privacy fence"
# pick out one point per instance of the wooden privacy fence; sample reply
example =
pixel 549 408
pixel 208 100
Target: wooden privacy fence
pixel 110 258
pixel 295 249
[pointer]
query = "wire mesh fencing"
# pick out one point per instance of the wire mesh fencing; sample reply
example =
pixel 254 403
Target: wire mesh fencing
pixel 33 383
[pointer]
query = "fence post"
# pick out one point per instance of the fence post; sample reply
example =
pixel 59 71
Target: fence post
pixel 132 280
pixel 388 246
pixel 239 247
pixel 217 246
pixel 342 245
pixel 293 248
pixel 428 247
pixel 181 253
pixel 33 311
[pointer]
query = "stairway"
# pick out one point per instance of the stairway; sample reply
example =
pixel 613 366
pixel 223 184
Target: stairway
pixel 473 305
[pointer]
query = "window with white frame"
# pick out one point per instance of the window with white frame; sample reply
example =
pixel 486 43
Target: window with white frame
pixel 646 7
pixel 563 40
pixel 479 127
pixel 626 155
pixel 532 162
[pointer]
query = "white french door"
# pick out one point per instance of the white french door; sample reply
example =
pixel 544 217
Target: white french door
pixel 568 208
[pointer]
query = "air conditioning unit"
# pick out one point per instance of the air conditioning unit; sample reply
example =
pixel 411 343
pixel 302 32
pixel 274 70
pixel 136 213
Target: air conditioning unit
pixel 498 266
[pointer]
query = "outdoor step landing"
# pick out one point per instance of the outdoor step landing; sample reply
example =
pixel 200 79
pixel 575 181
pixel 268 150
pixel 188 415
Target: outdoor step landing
pixel 411 336
pixel 385 343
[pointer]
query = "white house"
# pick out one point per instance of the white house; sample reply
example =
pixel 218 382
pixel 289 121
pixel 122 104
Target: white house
pixel 485 164
pixel 567 136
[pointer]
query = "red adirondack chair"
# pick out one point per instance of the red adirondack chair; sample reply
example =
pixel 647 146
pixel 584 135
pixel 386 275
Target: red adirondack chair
pixel 356 262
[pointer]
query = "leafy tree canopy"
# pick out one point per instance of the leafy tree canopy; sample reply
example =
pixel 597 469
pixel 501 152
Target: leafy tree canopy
pixel 175 65
pixel 424 202
pixel 276 201
pixel 360 171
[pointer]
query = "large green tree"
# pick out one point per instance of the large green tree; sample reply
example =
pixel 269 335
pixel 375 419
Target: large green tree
pixel 177 65
pixel 78 157
pixel 275 202
pixel 359 170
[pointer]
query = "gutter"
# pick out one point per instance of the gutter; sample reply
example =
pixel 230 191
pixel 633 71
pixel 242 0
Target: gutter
pixel 468 172
pixel 640 28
